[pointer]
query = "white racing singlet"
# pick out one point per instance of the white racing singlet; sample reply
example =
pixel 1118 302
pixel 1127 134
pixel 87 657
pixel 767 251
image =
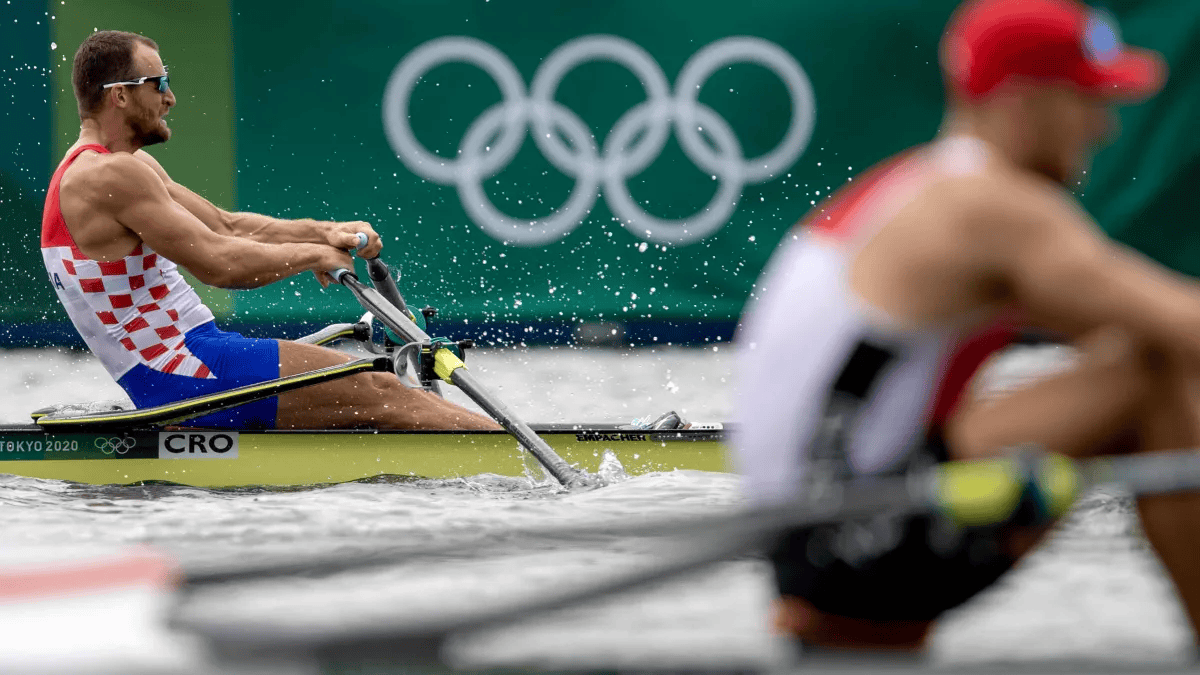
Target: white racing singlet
pixel 806 322
pixel 129 311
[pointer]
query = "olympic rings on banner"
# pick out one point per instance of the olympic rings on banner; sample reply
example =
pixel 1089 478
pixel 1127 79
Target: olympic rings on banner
pixel 634 142
pixel 118 445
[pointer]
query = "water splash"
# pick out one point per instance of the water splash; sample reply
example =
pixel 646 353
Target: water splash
pixel 611 470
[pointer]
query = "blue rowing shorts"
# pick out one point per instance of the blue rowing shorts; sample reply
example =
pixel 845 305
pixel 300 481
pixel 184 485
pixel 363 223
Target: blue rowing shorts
pixel 234 360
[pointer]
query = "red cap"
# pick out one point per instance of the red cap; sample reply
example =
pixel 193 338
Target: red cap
pixel 988 41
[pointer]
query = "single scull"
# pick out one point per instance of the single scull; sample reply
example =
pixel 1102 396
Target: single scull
pixel 118 445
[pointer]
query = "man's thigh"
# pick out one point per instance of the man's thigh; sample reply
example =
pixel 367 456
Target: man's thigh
pixel 297 357
pixel 374 400
pixel 327 405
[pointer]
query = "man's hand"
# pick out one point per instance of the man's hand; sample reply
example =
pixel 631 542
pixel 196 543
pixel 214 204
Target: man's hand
pixel 331 259
pixel 345 236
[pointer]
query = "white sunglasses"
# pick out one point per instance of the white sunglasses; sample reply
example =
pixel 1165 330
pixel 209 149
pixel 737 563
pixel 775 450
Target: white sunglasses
pixel 159 80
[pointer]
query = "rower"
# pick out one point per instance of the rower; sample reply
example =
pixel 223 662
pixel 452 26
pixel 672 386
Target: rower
pixel 114 228
pixel 858 351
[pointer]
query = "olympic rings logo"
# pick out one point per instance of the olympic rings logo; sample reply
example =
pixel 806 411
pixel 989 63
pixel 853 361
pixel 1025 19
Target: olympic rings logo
pixel 635 141
pixel 118 445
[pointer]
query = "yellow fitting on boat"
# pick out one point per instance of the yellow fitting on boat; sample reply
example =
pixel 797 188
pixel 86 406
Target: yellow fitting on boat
pixel 445 362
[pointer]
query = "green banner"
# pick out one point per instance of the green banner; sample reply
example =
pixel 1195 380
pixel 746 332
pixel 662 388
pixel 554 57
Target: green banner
pixel 548 161
pixel 621 160
pixel 25 163
pixel 616 215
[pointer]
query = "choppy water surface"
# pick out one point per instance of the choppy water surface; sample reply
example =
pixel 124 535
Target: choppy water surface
pixel 1094 590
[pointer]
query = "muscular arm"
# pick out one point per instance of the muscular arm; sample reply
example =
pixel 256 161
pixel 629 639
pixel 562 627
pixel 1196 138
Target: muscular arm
pixel 260 228
pixel 130 192
pixel 1064 271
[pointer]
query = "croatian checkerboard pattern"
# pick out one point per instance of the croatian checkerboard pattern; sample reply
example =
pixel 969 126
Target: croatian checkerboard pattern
pixel 125 296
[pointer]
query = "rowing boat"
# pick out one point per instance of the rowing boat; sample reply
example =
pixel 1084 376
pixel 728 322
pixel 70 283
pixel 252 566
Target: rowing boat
pixel 115 444
pixel 215 458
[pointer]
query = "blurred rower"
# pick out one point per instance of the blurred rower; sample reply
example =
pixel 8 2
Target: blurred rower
pixel 116 226
pixel 876 311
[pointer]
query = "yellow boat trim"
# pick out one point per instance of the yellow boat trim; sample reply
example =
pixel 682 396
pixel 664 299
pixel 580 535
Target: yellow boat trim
pixel 272 458
pixel 348 332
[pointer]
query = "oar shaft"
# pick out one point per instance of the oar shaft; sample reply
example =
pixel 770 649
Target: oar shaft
pixel 556 465
pixel 387 313
pixel 1147 473
pixel 373 301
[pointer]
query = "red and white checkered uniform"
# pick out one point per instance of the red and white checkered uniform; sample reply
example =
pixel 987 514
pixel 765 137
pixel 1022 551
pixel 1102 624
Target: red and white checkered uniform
pixel 129 311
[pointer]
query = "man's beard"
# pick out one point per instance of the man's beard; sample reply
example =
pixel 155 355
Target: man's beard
pixel 150 133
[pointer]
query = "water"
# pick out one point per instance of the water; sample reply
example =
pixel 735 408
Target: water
pixel 1093 590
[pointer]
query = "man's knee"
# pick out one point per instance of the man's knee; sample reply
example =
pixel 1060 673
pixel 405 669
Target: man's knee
pixel 386 392
pixel 391 398
pixel 383 383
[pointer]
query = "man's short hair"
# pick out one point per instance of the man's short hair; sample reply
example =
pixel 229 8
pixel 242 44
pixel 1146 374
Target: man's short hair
pixel 105 56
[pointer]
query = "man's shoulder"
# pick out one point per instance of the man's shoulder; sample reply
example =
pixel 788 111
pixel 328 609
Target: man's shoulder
pixel 99 166
pixel 146 158
pixel 1000 197
pixel 104 175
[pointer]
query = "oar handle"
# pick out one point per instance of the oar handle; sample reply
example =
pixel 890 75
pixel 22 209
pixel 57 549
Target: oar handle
pixel 340 272
pixel 381 277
